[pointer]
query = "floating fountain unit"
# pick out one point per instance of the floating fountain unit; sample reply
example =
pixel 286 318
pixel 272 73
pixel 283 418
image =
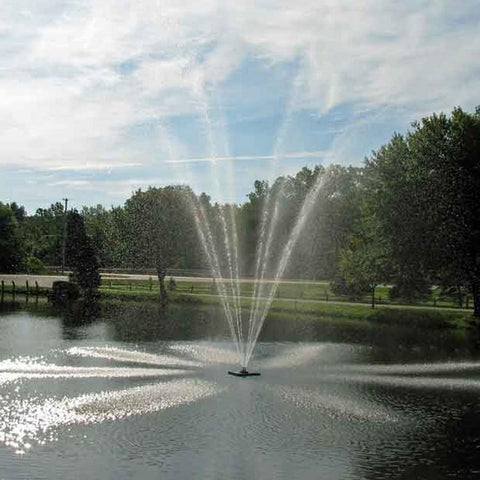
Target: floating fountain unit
pixel 244 373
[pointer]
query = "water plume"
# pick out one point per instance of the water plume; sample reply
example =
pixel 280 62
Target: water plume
pixel 286 253
pixel 402 381
pixel 335 405
pixel 28 420
pixel 17 370
pixel 132 356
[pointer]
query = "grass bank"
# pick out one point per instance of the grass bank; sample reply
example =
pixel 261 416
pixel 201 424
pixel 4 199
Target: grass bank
pixel 322 311
pixel 287 289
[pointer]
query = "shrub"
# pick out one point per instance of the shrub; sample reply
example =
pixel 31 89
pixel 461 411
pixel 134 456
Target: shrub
pixel 34 265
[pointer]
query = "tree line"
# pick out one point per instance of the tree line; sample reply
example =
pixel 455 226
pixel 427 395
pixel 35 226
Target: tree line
pixel 408 217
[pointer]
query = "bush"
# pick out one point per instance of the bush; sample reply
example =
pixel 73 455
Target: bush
pixel 34 265
pixel 353 291
pixel 410 290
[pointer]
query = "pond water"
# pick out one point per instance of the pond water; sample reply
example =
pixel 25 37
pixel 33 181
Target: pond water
pixel 141 395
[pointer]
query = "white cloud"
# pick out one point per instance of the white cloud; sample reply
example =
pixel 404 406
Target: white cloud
pixel 76 77
pixel 318 154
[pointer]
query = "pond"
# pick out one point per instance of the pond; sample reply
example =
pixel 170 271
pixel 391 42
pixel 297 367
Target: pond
pixel 137 394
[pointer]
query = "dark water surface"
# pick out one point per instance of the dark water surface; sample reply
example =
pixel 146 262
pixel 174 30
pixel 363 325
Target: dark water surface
pixel 141 395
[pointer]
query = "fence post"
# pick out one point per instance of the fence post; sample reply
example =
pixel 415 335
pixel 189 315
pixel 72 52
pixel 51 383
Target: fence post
pixel 13 289
pixel 37 292
pixel 27 287
pixel 3 289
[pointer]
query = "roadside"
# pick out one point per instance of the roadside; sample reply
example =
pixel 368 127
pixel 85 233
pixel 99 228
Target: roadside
pixel 295 292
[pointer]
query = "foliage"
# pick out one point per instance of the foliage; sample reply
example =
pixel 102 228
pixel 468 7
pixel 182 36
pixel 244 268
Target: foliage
pixel 10 244
pixel 81 257
pixel 42 234
pixel 365 262
pixel 34 265
pixel 410 217
pixel 425 188
pixel 333 221
pixel 160 229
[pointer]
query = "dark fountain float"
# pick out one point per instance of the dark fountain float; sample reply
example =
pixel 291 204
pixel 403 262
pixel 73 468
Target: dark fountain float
pixel 244 373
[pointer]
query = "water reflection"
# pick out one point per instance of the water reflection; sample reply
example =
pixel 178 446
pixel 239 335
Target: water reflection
pixel 163 402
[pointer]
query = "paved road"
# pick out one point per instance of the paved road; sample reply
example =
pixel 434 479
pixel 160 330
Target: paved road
pixel 127 276
pixel 47 280
pixel 43 280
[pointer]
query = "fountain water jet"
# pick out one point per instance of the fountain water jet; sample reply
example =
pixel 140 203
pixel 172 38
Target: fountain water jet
pixel 245 331
pixel 222 249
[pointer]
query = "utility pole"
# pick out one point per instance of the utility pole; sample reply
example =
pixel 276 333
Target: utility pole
pixel 64 244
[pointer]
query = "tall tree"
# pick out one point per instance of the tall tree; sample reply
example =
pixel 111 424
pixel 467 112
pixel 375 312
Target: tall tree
pixel 425 188
pixel 81 256
pixel 336 212
pixel 249 219
pixel 43 234
pixel 447 151
pixel 160 228
pixel 365 262
pixel 10 245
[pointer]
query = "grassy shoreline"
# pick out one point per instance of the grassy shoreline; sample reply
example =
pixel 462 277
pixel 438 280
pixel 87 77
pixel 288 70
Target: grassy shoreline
pixel 306 301
pixel 437 318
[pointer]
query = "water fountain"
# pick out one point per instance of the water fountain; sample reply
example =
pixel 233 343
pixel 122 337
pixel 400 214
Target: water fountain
pixel 221 245
pixel 222 253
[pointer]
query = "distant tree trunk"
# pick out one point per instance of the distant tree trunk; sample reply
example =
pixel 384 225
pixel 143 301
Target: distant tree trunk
pixel 476 298
pixel 373 296
pixel 161 273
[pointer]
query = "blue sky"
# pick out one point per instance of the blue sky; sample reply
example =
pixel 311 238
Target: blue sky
pixel 101 97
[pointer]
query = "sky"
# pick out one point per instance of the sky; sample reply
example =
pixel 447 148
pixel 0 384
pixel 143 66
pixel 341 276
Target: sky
pixel 99 98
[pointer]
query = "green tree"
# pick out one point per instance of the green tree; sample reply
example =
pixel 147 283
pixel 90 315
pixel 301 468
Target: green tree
pixel 160 230
pixel 332 222
pixel 98 228
pixel 249 220
pixel 447 151
pixel 10 244
pixel 42 234
pixel 81 256
pixel 18 211
pixel 365 262
pixel 425 188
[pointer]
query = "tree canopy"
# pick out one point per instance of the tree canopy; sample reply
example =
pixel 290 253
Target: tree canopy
pixel 409 217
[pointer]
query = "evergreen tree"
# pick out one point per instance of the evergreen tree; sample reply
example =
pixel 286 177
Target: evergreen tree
pixel 81 257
